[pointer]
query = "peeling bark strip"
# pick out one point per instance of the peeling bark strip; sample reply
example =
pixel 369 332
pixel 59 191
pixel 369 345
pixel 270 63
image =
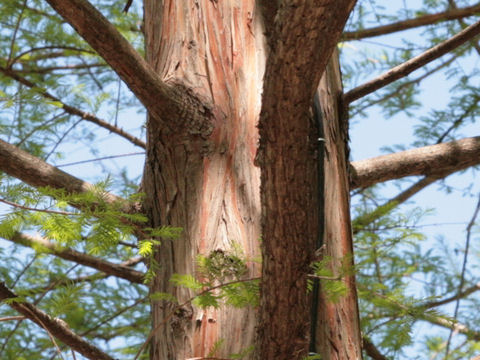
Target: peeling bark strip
pixel 121 271
pixel 301 39
pixel 429 160
pixel 54 326
pixel 208 186
pixel 338 326
pixel 162 101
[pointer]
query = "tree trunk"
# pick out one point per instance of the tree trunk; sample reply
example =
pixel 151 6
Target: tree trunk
pixel 205 183
pixel 337 330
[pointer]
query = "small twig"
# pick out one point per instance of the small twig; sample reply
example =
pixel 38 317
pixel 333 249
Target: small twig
pixel 101 158
pixel 24 270
pixel 50 47
pixel 19 206
pixel 412 23
pixel 463 294
pixel 12 318
pixel 464 269
pixel 118 270
pixel 413 64
pixel 15 31
pixel 74 111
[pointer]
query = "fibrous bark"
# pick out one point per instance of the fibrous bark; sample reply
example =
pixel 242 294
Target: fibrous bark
pixel 301 41
pixel 205 183
pixel 165 102
pixel 338 325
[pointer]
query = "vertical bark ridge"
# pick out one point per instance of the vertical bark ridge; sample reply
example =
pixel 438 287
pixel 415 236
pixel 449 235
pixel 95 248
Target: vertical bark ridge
pixel 206 185
pixel 338 329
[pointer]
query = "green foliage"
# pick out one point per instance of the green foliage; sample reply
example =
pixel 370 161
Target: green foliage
pixel 221 273
pixel 161 296
pixel 219 265
pixel 187 281
pixel 332 283
pixel 313 357
pixel 244 353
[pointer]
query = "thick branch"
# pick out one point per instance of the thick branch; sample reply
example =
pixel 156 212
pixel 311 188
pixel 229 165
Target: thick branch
pixel 74 111
pixel 54 326
pixel 434 160
pixel 412 23
pixel 162 101
pixel 413 64
pixel 37 173
pixel 118 270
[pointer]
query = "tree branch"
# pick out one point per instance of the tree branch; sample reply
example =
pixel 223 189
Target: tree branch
pixel 37 173
pixel 413 64
pixel 361 222
pixel 412 23
pixel 463 294
pixel 54 326
pixel 372 350
pixel 431 318
pixel 455 326
pixel 118 270
pixel 434 160
pixel 74 111
pixel 402 86
pixel 82 279
pixel 301 40
pixel 164 102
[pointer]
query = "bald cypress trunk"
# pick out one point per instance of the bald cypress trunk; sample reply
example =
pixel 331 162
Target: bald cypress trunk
pixel 202 178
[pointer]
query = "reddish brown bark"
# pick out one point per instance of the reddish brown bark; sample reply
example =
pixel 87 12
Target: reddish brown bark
pixel 205 183
pixel 202 85
pixel 338 329
pixel 165 102
pixel 301 40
